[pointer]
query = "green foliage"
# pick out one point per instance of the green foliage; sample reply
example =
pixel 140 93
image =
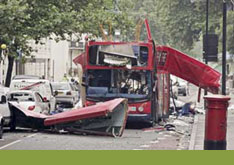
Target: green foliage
pixel 230 32
pixel 179 23
pixel 174 22
pixel 24 20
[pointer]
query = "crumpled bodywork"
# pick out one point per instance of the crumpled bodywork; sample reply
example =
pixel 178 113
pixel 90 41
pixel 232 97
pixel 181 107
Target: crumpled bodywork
pixel 108 118
pixel 187 68
pixel 24 118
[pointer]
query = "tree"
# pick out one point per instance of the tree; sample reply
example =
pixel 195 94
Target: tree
pixel 230 32
pixel 178 23
pixel 24 20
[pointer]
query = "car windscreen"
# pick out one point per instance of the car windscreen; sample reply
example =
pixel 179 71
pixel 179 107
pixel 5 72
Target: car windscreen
pixel 60 86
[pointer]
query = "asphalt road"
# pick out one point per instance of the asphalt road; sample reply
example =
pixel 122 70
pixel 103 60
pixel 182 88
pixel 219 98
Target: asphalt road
pixel 133 139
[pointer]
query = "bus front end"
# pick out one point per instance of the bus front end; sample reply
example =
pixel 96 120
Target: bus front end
pixel 122 70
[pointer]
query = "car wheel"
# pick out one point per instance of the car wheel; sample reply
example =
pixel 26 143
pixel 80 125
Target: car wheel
pixel 12 125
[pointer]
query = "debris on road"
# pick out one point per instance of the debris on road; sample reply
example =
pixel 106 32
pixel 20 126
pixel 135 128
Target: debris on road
pixel 200 111
pixel 231 107
pixel 106 119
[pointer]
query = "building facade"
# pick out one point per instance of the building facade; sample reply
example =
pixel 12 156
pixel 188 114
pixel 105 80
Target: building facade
pixel 51 60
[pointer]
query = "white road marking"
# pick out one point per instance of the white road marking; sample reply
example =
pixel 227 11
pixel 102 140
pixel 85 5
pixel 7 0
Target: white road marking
pixel 17 141
pixel 30 136
pixel 10 144
pixel 161 138
pixel 137 149
pixel 154 142
pixel 145 146
pixel 149 131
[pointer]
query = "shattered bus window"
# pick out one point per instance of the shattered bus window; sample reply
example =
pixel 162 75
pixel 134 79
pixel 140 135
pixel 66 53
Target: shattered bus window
pixel 109 84
pixel 118 55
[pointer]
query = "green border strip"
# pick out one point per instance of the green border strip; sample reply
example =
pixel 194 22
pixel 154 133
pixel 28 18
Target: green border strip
pixel 115 157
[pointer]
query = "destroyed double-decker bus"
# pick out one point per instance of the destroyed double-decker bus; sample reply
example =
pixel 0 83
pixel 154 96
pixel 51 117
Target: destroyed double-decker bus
pixel 139 72
pixel 124 70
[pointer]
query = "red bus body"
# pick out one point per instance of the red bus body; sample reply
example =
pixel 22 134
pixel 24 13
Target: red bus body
pixel 142 107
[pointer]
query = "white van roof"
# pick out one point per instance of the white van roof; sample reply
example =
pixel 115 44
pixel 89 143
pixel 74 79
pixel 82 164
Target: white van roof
pixel 21 77
pixel 31 80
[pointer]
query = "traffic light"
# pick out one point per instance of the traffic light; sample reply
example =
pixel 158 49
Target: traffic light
pixel 210 47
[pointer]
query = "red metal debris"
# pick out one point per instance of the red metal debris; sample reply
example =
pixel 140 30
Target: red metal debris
pixel 101 109
pixel 32 86
pixel 187 68
pixel 80 59
pixel 108 118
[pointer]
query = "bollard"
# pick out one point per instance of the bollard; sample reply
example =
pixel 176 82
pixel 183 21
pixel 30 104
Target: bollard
pixel 216 122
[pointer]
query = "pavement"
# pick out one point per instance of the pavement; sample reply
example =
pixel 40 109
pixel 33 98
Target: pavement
pixel 198 130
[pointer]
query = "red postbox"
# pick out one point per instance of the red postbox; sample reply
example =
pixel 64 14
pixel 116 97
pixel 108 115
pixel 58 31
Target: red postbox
pixel 216 122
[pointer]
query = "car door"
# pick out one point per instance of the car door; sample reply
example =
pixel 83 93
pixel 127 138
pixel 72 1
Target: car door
pixel 52 100
pixel 4 109
pixel 40 104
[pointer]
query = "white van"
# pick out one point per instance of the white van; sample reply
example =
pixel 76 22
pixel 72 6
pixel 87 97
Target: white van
pixel 39 85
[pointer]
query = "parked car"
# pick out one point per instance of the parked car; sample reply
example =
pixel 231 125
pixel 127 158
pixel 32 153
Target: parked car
pixel 66 93
pixel 29 100
pixel 175 91
pixel 1 126
pixel 39 85
pixel 179 86
pixel 182 88
pixel 5 111
pixel 3 90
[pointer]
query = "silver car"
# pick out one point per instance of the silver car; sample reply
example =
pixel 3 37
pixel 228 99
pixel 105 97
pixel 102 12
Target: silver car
pixel 65 93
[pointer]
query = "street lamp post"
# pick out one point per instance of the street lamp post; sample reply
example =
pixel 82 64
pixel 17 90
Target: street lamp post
pixel 224 48
pixel 207 27
pixel 207 32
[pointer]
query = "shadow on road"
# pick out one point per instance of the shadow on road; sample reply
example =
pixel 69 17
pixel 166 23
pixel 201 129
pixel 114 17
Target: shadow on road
pixel 138 125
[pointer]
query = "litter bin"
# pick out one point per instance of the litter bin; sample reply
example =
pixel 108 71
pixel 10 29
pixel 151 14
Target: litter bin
pixel 216 122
